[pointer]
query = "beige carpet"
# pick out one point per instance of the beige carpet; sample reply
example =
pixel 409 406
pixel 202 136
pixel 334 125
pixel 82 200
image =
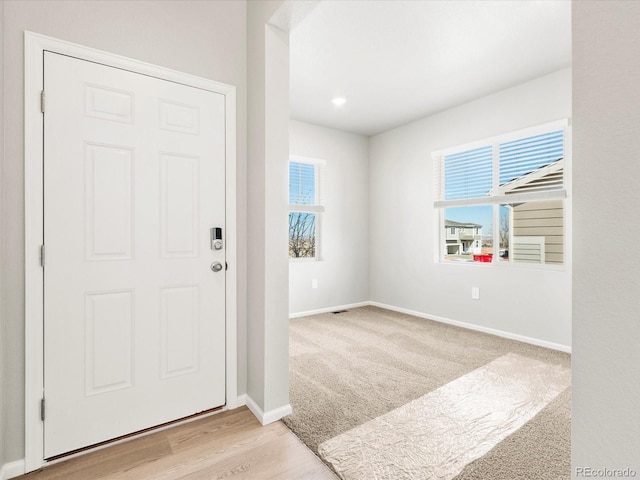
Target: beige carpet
pixel 350 368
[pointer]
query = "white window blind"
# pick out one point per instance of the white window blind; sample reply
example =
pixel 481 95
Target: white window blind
pixel 302 183
pixel 517 169
pixel 526 155
pixel 508 188
pixel 304 187
pixel 468 174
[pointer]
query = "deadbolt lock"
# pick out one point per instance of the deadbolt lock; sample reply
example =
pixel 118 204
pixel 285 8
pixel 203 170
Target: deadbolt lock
pixel 216 238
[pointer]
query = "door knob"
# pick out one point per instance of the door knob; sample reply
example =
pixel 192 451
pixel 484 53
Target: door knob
pixel 216 266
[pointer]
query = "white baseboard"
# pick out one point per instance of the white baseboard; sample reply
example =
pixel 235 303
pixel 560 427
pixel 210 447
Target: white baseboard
pixel 275 415
pixel 271 416
pixel 328 310
pixel 12 469
pixel 242 400
pixel 477 328
pixel 469 326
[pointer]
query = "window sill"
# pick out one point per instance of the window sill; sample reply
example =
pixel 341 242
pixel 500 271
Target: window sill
pixel 305 260
pixel 505 265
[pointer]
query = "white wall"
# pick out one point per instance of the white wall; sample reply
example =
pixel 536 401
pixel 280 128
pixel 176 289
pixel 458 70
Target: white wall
pixel 202 38
pixel 343 270
pixel 606 283
pixel 2 229
pixel 208 40
pixel 532 303
pixel 268 147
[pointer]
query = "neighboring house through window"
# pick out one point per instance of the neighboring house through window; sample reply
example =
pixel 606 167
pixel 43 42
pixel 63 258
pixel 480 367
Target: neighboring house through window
pixel 305 207
pixel 502 200
pixel 463 238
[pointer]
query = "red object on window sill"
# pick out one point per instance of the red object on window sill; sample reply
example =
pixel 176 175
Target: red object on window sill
pixel 485 258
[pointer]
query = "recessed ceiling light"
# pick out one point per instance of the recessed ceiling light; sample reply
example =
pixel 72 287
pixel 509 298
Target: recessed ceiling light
pixel 339 101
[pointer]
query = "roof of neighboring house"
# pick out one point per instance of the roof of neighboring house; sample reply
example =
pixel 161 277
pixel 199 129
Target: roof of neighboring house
pixel 451 223
pixel 547 177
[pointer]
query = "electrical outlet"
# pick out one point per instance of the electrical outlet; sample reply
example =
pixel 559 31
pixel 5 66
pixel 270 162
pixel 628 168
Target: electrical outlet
pixel 475 293
pixel 314 283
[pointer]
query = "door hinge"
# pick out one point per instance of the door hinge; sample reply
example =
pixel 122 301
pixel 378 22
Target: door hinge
pixel 42 409
pixel 42 101
pixel 42 255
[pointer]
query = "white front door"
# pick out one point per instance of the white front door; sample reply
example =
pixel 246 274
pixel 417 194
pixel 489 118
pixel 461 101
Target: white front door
pixel 134 315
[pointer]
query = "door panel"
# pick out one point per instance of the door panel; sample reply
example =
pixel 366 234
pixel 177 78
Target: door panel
pixel 134 316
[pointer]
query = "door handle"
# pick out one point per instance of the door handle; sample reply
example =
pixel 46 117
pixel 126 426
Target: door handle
pixel 216 266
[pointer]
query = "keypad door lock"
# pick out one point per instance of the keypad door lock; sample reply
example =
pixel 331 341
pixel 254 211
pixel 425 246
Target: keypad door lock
pixel 216 238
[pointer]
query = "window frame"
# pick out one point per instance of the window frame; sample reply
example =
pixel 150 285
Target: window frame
pixel 317 207
pixel 495 201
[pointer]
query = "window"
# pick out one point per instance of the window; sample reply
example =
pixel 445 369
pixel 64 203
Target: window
pixel 502 201
pixel 304 208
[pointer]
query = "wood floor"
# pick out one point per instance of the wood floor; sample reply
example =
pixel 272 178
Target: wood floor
pixel 230 445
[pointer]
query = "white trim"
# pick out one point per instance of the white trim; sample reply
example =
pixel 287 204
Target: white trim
pixel 329 309
pixel 309 160
pixel 271 416
pixel 35 45
pixel 254 408
pixel 298 207
pixel 306 259
pixel 242 400
pixel 505 198
pixel 568 203
pixel 436 318
pixel 547 267
pixel 34 275
pixel 276 414
pixel 12 469
pixel 478 328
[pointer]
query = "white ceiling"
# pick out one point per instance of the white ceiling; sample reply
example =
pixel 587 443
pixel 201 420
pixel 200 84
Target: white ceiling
pixel 397 61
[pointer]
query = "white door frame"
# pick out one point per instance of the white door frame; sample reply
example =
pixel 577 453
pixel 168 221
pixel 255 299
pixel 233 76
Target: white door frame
pixel 35 46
